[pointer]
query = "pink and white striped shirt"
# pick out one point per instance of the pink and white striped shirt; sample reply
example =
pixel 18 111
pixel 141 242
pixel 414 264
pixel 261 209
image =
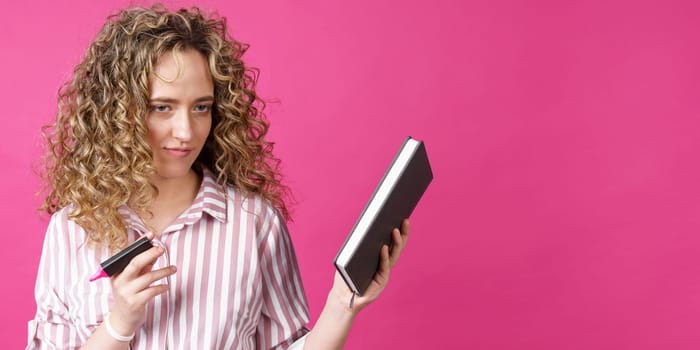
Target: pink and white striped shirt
pixel 237 285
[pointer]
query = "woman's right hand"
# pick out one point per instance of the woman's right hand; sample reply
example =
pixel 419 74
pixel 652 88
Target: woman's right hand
pixel 132 289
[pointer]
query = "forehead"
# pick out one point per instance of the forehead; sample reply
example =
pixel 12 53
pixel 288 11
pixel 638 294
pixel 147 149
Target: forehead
pixel 181 74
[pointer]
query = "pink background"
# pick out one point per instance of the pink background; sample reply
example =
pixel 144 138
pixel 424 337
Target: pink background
pixel 563 136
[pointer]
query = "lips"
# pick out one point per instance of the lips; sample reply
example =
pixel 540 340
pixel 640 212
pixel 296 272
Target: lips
pixel 178 152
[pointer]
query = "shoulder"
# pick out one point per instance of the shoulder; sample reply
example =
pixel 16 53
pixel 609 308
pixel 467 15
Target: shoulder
pixel 251 215
pixel 62 218
pixel 251 205
pixel 63 233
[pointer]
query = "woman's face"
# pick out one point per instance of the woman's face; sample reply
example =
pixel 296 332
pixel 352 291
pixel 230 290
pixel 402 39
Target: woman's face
pixel 179 114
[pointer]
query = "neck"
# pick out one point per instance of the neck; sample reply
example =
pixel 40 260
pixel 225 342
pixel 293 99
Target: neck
pixel 174 197
pixel 176 190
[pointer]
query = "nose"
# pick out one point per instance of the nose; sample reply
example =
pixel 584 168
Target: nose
pixel 182 126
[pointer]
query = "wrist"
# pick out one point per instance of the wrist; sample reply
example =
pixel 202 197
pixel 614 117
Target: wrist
pixel 343 303
pixel 118 329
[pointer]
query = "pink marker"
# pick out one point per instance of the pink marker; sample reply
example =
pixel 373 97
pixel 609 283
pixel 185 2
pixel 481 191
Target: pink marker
pixel 118 262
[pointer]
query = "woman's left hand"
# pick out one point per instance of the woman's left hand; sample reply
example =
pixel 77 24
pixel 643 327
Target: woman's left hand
pixel 388 258
pixel 333 325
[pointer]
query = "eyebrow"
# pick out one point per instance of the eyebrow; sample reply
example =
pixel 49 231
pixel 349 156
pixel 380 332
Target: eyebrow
pixel 173 100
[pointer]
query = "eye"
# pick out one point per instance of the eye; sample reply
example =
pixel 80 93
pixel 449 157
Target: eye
pixel 160 108
pixel 202 108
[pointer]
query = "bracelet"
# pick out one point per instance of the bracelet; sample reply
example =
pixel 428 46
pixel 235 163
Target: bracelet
pixel 114 333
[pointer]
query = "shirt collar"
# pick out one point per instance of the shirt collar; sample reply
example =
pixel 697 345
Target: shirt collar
pixel 210 199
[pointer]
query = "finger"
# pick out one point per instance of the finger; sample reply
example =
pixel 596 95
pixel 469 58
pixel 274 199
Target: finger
pixel 149 293
pixel 145 280
pixel 397 246
pixel 147 268
pixel 150 236
pixel 405 229
pixel 141 261
pixel 382 275
pixel 384 265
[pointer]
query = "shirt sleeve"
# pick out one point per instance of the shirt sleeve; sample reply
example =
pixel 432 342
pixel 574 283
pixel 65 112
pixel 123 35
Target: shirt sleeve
pixel 51 327
pixel 285 312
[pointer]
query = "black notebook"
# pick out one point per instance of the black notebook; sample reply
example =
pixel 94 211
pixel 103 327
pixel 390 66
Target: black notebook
pixel 393 200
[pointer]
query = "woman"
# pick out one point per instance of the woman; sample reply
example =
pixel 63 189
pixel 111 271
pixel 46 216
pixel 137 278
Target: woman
pixel 160 133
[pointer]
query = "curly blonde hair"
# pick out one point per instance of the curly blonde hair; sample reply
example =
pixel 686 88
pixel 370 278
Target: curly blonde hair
pixel 98 158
